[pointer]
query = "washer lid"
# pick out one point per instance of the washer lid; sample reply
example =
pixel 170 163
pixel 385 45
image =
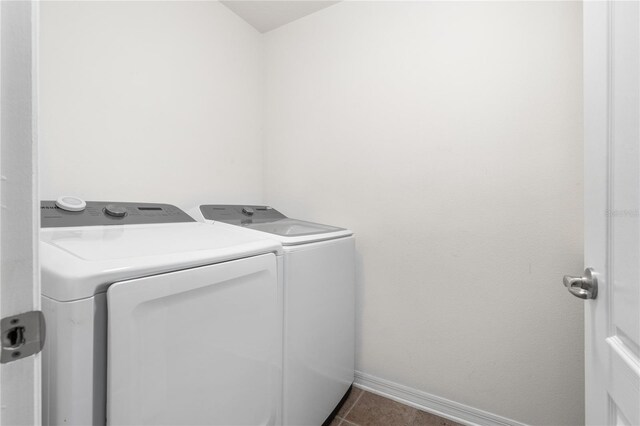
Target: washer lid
pixel 292 227
pixel 267 219
pixel 79 262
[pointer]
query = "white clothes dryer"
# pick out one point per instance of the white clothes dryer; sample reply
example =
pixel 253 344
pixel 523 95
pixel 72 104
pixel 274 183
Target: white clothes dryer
pixel 156 319
pixel 319 307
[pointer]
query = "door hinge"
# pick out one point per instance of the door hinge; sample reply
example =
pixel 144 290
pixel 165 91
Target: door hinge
pixel 22 335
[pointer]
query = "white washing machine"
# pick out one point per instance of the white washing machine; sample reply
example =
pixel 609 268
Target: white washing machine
pixel 319 305
pixel 156 319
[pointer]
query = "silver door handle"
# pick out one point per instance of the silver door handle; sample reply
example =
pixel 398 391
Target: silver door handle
pixel 584 287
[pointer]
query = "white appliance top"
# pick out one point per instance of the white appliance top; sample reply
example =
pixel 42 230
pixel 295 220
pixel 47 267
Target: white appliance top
pixel 270 221
pixel 80 261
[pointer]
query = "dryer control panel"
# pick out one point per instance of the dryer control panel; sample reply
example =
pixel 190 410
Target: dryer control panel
pixel 240 214
pixel 100 213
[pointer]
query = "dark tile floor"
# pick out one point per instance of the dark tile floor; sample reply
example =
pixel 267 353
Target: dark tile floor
pixel 364 408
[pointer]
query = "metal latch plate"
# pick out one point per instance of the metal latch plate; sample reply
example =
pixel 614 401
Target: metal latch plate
pixel 22 335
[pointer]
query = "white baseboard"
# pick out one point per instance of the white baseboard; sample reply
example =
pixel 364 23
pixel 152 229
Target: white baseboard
pixel 424 401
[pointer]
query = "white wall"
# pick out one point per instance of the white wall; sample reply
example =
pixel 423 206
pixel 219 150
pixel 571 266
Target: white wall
pixel 150 101
pixel 448 135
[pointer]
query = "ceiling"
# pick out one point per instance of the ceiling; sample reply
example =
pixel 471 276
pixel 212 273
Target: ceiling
pixel 266 15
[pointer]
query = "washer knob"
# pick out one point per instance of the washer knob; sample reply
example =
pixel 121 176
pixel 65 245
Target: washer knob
pixel 71 203
pixel 248 211
pixel 115 211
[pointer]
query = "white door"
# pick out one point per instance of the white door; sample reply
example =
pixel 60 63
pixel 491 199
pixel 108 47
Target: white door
pixel 19 217
pixel 200 346
pixel 612 210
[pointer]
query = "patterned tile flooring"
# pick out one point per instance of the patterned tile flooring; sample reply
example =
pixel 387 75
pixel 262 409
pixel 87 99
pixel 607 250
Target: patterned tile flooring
pixel 364 408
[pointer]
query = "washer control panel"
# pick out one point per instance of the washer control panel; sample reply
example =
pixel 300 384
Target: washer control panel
pixel 240 214
pixel 101 213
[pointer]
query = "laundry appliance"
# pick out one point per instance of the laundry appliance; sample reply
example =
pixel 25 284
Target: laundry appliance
pixel 156 319
pixel 319 293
